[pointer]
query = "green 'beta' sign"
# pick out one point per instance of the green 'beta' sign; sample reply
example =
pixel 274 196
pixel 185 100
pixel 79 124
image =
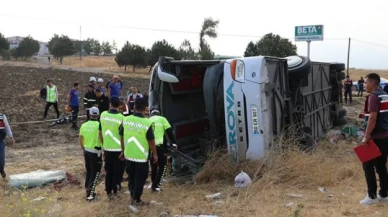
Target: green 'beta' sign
pixel 309 33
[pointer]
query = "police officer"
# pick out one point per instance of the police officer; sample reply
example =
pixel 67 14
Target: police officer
pixel 110 122
pixel 348 85
pixel 137 138
pixel 91 146
pixel 162 126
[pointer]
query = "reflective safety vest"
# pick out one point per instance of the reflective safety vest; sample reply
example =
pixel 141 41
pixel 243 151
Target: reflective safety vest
pixel 51 94
pixel 382 115
pixel 161 125
pixel 110 124
pixel 136 147
pixel 90 133
pixel 3 132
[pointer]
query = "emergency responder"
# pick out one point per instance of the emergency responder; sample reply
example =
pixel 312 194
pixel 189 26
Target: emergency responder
pixel 102 101
pixel 5 130
pixel 92 81
pixel 137 138
pixel 348 84
pixel 100 85
pixel 73 102
pixel 89 100
pixel 51 98
pixel 91 146
pixel 161 125
pixel 110 122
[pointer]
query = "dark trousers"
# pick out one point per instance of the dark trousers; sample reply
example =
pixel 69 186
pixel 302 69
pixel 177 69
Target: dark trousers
pixel 137 176
pixel 93 165
pixel 378 164
pixel 113 167
pixel 158 170
pixel 348 92
pixel 87 115
pixel 360 91
pixel 120 170
pixel 48 105
pixel 2 155
pixel 74 114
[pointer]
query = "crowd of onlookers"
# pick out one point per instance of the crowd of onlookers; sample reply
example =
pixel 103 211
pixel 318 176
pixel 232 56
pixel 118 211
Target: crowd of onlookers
pixel 98 94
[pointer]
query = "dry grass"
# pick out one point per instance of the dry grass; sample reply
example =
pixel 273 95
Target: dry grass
pixel 355 74
pixel 287 170
pixel 105 62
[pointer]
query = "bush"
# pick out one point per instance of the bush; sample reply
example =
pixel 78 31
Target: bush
pixel 6 54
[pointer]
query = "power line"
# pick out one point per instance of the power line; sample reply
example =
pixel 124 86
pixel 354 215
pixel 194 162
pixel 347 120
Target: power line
pixel 163 30
pixel 371 43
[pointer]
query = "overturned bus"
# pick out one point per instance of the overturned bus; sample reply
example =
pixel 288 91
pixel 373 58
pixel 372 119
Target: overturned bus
pixel 244 102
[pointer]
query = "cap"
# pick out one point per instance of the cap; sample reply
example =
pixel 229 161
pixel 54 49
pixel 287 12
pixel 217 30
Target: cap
pixel 92 79
pixel 155 112
pixel 100 80
pixel 94 111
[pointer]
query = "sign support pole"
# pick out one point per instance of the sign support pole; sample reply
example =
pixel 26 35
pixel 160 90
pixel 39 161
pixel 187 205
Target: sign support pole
pixel 308 49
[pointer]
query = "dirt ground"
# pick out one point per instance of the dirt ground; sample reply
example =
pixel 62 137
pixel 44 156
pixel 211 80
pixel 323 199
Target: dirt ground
pixel 38 146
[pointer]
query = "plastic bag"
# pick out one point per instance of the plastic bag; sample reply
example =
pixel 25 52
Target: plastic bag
pixel 36 178
pixel 242 180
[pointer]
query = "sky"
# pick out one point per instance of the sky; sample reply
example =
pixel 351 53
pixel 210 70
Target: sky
pixel 365 22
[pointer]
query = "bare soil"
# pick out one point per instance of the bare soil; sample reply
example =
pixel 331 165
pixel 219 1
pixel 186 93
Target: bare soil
pixel 39 146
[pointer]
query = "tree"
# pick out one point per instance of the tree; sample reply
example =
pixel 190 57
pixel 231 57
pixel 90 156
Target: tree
pixel 15 53
pixel 96 47
pixel 106 48
pixel 28 47
pixel 87 46
pixel 61 46
pixel 131 55
pixel 271 45
pixel 114 46
pixel 251 50
pixel 4 44
pixel 186 51
pixel 208 29
pixel 161 48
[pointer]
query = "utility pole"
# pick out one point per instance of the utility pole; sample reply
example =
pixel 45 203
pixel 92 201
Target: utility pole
pixel 347 69
pixel 80 41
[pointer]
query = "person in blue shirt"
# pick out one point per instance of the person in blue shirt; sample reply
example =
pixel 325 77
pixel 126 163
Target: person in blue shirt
pixel 73 102
pixel 114 88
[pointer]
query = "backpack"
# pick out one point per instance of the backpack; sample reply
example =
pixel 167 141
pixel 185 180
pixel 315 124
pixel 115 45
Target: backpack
pixel 43 93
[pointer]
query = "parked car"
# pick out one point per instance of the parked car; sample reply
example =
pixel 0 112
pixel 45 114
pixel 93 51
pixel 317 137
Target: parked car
pixel 383 82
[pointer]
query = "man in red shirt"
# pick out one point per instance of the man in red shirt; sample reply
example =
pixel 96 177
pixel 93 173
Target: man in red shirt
pixel 376 116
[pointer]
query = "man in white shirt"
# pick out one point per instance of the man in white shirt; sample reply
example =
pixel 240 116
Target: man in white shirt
pixel 5 130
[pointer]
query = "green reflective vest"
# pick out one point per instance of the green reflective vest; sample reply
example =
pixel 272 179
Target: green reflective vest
pixel 110 124
pixel 51 95
pixel 90 133
pixel 161 125
pixel 136 147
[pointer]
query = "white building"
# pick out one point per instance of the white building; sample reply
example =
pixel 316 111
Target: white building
pixel 15 41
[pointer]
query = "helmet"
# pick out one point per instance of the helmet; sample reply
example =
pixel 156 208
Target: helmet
pixel 100 80
pixel 92 79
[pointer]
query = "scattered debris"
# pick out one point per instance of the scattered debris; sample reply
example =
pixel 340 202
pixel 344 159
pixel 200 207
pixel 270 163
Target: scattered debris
pixel 155 202
pixel 36 178
pixel 323 190
pixel 242 180
pixel 295 195
pixel 335 135
pixel 330 195
pixel 343 194
pixel 288 204
pixel 133 208
pixel 378 213
pixel 219 202
pixel 213 196
pixel 127 192
pixel 39 199
pixel 72 180
pixel 163 214
pixel 53 212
